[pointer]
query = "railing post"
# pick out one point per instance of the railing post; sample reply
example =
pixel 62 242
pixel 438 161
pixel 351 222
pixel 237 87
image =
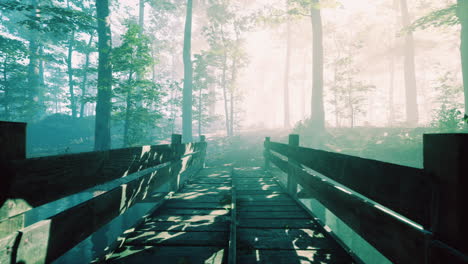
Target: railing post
pixel 446 162
pixel 266 153
pixel 176 142
pixel 12 141
pixel 292 183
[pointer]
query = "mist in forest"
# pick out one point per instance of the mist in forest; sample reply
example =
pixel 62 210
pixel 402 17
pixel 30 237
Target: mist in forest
pixel 358 77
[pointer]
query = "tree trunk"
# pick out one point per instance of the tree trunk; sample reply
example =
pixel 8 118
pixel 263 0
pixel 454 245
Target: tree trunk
pixel 232 91
pixel 84 82
pixel 102 139
pixel 188 71
pixel 317 110
pixel 128 109
pixel 287 122
pixel 412 115
pixel 391 110
pixel 33 67
pixel 462 13
pixel 223 80
pixel 200 112
pixel 70 74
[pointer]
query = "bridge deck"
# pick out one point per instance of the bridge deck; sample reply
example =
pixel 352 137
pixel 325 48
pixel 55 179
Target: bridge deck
pixel 194 226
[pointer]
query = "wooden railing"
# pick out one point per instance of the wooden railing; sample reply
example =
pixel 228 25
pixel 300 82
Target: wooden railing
pixel 113 180
pixel 409 215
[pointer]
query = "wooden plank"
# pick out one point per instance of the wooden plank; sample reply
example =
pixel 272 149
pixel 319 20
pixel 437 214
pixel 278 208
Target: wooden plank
pixel 381 229
pixel 169 211
pixel 274 215
pixel 219 239
pixel 281 148
pixel 277 208
pixel 251 256
pixel 49 239
pixel 285 239
pixel 277 223
pixel 184 226
pixel 168 255
pixel 280 163
pixel 405 190
pixel 41 180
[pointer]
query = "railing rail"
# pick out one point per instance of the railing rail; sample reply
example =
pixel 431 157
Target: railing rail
pixel 116 180
pixel 399 210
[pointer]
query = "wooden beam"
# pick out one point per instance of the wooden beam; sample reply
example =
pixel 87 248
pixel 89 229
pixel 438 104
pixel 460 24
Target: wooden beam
pixel 12 140
pixel 398 240
pixel 405 190
pixel 446 162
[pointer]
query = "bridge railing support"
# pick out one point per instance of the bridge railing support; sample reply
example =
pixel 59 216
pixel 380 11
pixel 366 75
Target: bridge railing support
pixel 292 165
pixel 446 163
pixel 12 140
pixel 266 153
pixel 432 226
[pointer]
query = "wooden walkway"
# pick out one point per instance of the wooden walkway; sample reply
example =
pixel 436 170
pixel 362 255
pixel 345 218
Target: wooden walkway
pixel 195 225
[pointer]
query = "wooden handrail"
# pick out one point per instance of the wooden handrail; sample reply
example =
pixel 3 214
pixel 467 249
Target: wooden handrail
pixel 365 194
pixel 46 240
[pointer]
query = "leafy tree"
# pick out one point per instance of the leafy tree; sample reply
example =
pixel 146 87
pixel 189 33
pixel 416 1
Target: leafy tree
pixel 202 80
pixel 135 96
pixel 12 85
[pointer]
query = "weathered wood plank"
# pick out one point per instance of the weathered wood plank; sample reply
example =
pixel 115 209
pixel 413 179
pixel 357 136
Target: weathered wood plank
pixel 280 163
pixel 184 226
pixel 378 227
pixel 265 256
pixel 281 148
pixel 274 214
pixel 41 180
pixel 49 239
pixel 277 223
pixel 285 239
pixel 405 190
pixel 219 239
pixel 168 255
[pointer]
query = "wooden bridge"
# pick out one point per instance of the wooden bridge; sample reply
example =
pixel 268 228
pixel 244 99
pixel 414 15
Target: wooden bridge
pixel 227 213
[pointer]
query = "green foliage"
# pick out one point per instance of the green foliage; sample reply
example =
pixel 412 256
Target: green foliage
pixel 136 97
pixel 50 18
pixel 448 117
pixel 440 18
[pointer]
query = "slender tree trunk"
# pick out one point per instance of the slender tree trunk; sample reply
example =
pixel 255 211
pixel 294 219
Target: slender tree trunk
pixel 412 113
pixel 391 110
pixel 128 110
pixel 223 80
pixel 232 92
pixel 141 15
pixel 462 13
pixel 84 82
pixel 304 88
pixel 41 78
pixel 200 112
pixel 102 139
pixel 33 67
pixel 212 102
pixel 188 71
pixel 287 122
pixel 317 110
pixel 71 42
